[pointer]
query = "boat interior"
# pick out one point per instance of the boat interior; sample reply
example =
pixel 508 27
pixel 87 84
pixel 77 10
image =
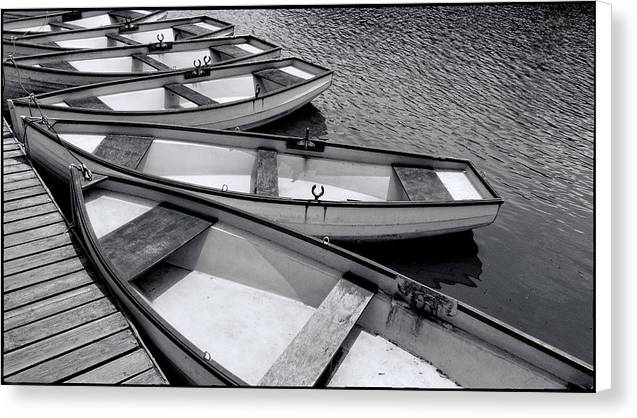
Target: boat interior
pixel 266 313
pixel 292 175
pixel 160 61
pixel 205 92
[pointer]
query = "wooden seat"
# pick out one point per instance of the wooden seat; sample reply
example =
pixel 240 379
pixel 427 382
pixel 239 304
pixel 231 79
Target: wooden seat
pixel 122 39
pixel 190 30
pixel 267 173
pixel 65 25
pixel 58 65
pixel 158 65
pixel 274 79
pixel 228 52
pixel 422 184
pixel 188 93
pixel 137 246
pixel 125 150
pixel 311 351
pixel 89 102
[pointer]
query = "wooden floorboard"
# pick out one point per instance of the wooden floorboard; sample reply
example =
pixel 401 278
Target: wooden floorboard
pixel 145 378
pixel 34 234
pixel 29 212
pixel 32 223
pixel 58 324
pixel 48 289
pixel 34 247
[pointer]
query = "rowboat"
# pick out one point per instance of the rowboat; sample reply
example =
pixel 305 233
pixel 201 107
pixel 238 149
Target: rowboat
pixel 341 191
pixel 47 22
pixel 232 299
pixel 115 35
pixel 13 14
pixel 227 96
pixel 60 70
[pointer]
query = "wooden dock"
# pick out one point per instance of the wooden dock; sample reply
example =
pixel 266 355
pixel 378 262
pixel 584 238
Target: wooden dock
pixel 59 325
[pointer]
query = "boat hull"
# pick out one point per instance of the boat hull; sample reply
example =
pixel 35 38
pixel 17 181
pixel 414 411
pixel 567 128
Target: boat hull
pixel 346 222
pixel 242 115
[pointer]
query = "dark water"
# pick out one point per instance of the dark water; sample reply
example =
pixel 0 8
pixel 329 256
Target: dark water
pixel 510 87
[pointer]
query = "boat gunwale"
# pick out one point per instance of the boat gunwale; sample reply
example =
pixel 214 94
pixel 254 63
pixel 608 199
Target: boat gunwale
pixel 468 310
pixel 325 73
pixel 496 200
pixel 144 48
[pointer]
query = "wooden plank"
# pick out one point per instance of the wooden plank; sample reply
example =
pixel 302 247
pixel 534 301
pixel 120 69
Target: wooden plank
pixel 116 371
pixel 88 102
pixel 58 369
pixel 22 193
pixel 35 247
pixel 230 51
pixel 311 351
pixel 273 79
pixel 63 321
pixel 47 307
pixel 25 264
pixel 26 203
pixel 122 39
pixel 20 184
pixel 188 93
pixel 189 30
pixel 59 344
pixel 11 146
pixel 34 234
pixel 152 62
pixel 15 168
pixel 422 184
pixel 123 15
pixel 267 173
pixel 20 159
pixel 54 287
pixel 149 377
pixel 12 154
pixel 18 176
pixel 42 274
pixel 146 240
pixel 125 150
pixel 31 223
pixel 29 212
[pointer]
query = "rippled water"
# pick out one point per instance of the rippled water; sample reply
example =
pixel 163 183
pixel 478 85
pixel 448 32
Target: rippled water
pixel 509 87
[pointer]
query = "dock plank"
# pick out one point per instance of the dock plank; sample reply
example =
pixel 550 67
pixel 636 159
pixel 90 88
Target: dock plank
pixel 24 264
pixel 63 321
pixel 20 184
pixel 26 203
pixel 116 371
pixel 48 289
pixel 34 234
pixel 34 247
pixel 149 377
pixel 51 306
pixel 146 240
pixel 8 196
pixel 29 212
pixel 77 361
pixel 42 274
pixel 310 352
pixel 23 175
pixel 15 168
pixel 31 223
pixel 31 355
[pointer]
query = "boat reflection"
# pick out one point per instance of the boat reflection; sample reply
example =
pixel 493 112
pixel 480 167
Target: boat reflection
pixel 450 259
pixel 295 124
